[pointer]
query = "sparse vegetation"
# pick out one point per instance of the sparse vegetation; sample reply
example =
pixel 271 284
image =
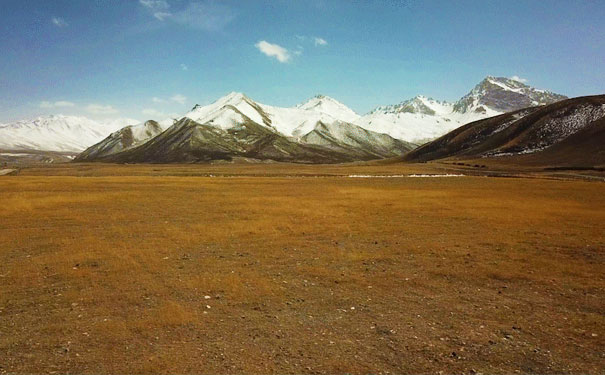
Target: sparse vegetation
pixel 148 269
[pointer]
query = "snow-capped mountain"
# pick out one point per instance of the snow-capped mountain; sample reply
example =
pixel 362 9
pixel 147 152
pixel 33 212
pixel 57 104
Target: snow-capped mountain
pixel 329 106
pixel 57 133
pixel 237 126
pixel 321 119
pixel 292 122
pixel 421 119
pixel 502 95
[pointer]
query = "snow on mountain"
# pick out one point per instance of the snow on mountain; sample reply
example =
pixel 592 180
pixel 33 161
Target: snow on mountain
pixel 236 126
pixel 238 104
pixel 329 106
pixel 418 119
pixel 568 133
pixel 292 122
pixel 57 133
pixel 421 119
pixel 128 137
pixel 502 95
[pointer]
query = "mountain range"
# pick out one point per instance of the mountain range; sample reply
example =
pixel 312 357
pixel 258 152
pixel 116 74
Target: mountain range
pixel 237 127
pixel 568 133
pixel 318 130
pixel 57 133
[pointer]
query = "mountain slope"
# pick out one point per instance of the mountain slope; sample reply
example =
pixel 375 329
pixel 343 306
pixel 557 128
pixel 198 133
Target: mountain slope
pixel 502 94
pixel 56 133
pixel 190 141
pixel 547 134
pixel 346 137
pixel 123 139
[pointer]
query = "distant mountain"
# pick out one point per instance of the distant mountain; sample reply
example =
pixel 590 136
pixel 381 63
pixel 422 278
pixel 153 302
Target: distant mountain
pixel 235 126
pixel 566 133
pixel 56 133
pixel 321 121
pixel 421 119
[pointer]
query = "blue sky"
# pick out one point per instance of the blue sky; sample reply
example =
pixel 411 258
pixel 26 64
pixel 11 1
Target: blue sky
pixel 151 58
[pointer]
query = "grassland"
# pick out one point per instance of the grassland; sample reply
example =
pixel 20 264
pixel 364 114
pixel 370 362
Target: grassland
pixel 296 269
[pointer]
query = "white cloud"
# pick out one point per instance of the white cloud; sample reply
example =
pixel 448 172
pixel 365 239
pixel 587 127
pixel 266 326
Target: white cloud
pixel 298 51
pixel 59 22
pixel 162 15
pixel 518 79
pixel 179 98
pixel 184 67
pixel 58 104
pixel 206 15
pixel 155 4
pixel 159 8
pixel 99 109
pixel 273 50
pixel 320 42
pixel 158 100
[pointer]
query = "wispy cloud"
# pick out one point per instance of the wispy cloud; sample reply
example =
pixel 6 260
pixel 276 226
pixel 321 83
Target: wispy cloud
pixel 518 79
pixel 59 22
pixel 158 100
pixel 159 8
pixel 207 15
pixel 273 50
pixel 179 98
pixel 58 104
pixel 99 109
pixel 184 67
pixel 320 42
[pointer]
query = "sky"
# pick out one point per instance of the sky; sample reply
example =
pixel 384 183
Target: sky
pixel 151 59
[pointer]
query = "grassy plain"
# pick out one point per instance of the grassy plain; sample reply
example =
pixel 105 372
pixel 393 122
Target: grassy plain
pixel 295 269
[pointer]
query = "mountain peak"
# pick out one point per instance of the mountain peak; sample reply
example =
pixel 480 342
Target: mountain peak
pixel 330 106
pixel 502 94
pixel 232 98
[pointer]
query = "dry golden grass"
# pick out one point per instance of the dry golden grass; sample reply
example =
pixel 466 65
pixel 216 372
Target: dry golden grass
pixel 109 274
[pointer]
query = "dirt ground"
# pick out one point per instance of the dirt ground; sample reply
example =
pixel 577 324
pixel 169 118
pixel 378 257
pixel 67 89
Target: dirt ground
pixel 299 269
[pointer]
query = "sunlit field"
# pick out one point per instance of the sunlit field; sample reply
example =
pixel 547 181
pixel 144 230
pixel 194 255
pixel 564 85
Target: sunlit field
pixel 123 269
